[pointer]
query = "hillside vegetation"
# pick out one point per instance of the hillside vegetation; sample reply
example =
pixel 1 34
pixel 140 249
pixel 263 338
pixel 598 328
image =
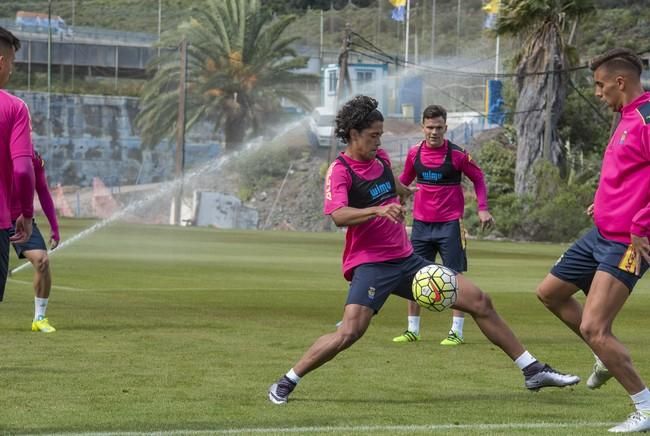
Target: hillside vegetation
pixel 614 23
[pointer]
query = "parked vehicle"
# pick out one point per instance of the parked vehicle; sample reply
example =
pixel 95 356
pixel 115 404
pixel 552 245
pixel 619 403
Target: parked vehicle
pixel 37 21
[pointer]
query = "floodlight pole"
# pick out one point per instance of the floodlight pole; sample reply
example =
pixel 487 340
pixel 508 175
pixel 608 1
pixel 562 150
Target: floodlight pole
pixel 180 133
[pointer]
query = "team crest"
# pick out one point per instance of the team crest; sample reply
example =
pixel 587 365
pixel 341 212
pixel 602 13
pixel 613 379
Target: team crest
pixel 371 293
pixel 623 136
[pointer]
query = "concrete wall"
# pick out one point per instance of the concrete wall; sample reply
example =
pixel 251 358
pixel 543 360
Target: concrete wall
pixel 95 136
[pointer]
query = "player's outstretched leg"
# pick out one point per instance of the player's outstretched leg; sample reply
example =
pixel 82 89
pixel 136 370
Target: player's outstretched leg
pixel 479 305
pixel 356 319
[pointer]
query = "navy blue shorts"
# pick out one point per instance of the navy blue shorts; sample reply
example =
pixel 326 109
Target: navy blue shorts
pixel 592 253
pixel 372 283
pixel 35 242
pixel 446 239
pixel 4 260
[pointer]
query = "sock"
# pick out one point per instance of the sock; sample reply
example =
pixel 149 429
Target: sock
pixel 40 306
pixel 642 400
pixel 291 375
pixel 598 361
pixel 528 364
pixel 414 324
pixel 457 325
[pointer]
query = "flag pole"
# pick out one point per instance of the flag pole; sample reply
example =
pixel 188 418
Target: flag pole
pixel 406 45
pixel 496 62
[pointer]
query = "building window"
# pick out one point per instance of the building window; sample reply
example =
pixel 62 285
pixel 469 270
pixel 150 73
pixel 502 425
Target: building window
pixel 364 76
pixel 332 82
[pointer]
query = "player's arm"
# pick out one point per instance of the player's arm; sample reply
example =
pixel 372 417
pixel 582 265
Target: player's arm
pixel 350 216
pixel 475 174
pixel 403 182
pixel 640 229
pixel 23 178
pixel 47 204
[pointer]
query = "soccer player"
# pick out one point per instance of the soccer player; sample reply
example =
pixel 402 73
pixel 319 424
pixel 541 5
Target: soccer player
pixel 35 249
pixel 16 151
pixel 607 262
pixel 378 259
pixel 438 166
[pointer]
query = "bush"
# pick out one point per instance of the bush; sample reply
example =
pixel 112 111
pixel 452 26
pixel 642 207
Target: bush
pixel 555 212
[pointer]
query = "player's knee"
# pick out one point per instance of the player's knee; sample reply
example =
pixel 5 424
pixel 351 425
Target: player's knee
pixel 593 332
pixel 43 264
pixel 348 337
pixel 545 296
pixel 482 305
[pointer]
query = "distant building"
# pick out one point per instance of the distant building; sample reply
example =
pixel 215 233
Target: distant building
pixel 368 79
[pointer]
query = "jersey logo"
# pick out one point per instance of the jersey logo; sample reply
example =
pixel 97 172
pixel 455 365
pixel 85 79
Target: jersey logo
pixel 628 261
pixel 623 136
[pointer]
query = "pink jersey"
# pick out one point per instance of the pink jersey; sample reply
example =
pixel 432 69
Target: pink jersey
pixel 622 201
pixel 15 142
pixel 442 203
pixel 376 240
pixel 44 197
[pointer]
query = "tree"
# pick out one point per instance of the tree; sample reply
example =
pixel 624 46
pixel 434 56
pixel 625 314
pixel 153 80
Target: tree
pixel 239 67
pixel 542 75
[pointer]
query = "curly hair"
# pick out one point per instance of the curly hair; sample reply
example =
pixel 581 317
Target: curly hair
pixel 618 59
pixel 358 113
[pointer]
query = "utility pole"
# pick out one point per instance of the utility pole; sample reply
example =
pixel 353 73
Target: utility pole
pixel 159 23
pixel 74 45
pixel 433 29
pixel 49 75
pixel 343 79
pixel 458 28
pixel 406 43
pixel 180 134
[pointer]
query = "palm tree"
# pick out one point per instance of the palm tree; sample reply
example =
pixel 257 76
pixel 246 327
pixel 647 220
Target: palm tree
pixel 239 67
pixel 539 24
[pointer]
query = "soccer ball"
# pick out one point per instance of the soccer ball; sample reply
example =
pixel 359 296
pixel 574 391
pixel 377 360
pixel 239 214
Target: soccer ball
pixel 434 287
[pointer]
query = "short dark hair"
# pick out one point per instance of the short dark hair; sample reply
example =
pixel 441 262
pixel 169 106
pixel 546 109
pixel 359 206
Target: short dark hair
pixel 358 114
pixel 434 111
pixel 8 40
pixel 618 59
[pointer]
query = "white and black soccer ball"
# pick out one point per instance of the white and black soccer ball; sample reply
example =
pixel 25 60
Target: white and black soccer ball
pixel 434 287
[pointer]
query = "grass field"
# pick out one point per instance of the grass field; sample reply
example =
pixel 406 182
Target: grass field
pixel 181 331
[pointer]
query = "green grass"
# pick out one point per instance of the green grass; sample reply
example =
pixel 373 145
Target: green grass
pixel 170 329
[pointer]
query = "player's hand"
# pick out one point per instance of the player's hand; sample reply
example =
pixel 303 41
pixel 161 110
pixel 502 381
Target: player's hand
pixel 486 219
pixel 405 192
pixel 641 248
pixel 23 230
pixel 590 210
pixel 54 241
pixel 394 212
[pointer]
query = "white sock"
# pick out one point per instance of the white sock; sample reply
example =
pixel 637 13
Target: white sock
pixel 291 375
pixel 40 306
pixel 642 400
pixel 524 360
pixel 457 325
pixel 414 324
